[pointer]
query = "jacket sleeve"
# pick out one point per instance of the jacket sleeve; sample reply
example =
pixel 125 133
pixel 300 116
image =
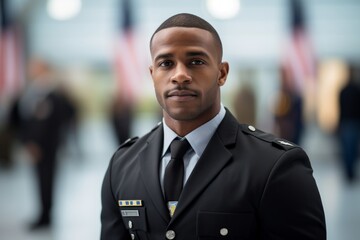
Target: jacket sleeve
pixel 112 226
pixel 290 206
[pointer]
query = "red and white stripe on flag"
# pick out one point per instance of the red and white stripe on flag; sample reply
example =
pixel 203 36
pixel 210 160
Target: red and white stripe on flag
pixel 128 68
pixel 11 77
pixel 299 60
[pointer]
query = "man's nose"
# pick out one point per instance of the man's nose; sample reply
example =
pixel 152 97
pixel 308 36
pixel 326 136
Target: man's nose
pixel 181 75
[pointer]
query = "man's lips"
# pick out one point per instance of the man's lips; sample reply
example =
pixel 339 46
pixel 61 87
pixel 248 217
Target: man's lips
pixel 181 93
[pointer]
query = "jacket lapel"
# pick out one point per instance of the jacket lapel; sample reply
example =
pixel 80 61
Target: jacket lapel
pixel 213 160
pixel 149 159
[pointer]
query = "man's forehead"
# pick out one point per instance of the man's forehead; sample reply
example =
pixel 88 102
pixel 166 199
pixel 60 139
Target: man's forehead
pixel 185 37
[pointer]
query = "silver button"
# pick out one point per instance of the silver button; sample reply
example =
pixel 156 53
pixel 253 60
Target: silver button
pixel 170 234
pixel 285 143
pixel 251 128
pixel 132 236
pixel 130 224
pixel 224 231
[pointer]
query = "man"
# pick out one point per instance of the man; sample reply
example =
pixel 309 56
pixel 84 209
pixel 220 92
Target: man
pixel 43 113
pixel 238 182
pixel 349 125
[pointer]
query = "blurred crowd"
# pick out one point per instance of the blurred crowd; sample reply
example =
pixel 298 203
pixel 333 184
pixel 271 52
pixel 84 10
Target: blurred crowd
pixel 47 98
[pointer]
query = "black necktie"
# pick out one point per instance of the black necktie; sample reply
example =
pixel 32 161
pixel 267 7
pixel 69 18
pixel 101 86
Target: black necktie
pixel 174 172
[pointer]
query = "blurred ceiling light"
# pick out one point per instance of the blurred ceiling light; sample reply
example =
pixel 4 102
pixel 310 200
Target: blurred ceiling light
pixel 223 9
pixel 63 9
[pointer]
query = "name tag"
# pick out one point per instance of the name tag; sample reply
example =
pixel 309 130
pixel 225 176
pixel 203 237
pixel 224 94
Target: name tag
pixel 129 213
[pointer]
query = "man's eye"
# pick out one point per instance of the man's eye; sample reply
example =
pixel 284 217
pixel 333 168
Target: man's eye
pixel 165 64
pixel 197 62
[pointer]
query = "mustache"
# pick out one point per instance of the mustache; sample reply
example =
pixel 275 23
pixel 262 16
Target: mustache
pixel 181 91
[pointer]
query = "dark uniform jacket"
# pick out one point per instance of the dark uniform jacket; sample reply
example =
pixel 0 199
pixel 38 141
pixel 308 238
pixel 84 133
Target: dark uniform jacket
pixel 247 185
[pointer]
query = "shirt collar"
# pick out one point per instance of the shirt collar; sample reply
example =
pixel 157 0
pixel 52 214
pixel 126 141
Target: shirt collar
pixel 198 138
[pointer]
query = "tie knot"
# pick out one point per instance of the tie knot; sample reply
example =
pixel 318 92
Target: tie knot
pixel 178 148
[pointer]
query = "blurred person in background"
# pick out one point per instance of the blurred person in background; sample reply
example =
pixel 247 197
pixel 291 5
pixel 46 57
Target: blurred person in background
pixel 122 117
pixel 234 181
pixel 288 110
pixel 245 104
pixel 349 124
pixel 6 143
pixel 42 112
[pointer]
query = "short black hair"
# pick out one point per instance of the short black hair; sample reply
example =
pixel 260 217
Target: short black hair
pixel 189 21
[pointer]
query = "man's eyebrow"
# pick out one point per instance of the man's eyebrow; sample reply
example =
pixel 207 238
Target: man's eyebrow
pixel 197 53
pixel 162 56
pixel 188 54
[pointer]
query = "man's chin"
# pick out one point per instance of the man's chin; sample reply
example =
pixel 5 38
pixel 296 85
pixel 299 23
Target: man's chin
pixel 182 114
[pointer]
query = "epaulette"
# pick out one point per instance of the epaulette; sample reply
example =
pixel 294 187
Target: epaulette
pixel 157 125
pixel 128 142
pixel 275 141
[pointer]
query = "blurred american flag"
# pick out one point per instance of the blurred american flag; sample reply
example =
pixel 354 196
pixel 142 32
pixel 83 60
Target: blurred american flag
pixel 127 63
pixel 299 59
pixel 11 60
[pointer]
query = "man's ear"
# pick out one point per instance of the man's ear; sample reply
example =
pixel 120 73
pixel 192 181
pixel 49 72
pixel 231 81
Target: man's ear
pixel 151 69
pixel 224 71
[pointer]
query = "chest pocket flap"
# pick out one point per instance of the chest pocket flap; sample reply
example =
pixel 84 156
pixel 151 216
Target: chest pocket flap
pixel 134 218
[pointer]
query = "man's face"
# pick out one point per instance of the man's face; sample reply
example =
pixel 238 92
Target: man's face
pixel 187 73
